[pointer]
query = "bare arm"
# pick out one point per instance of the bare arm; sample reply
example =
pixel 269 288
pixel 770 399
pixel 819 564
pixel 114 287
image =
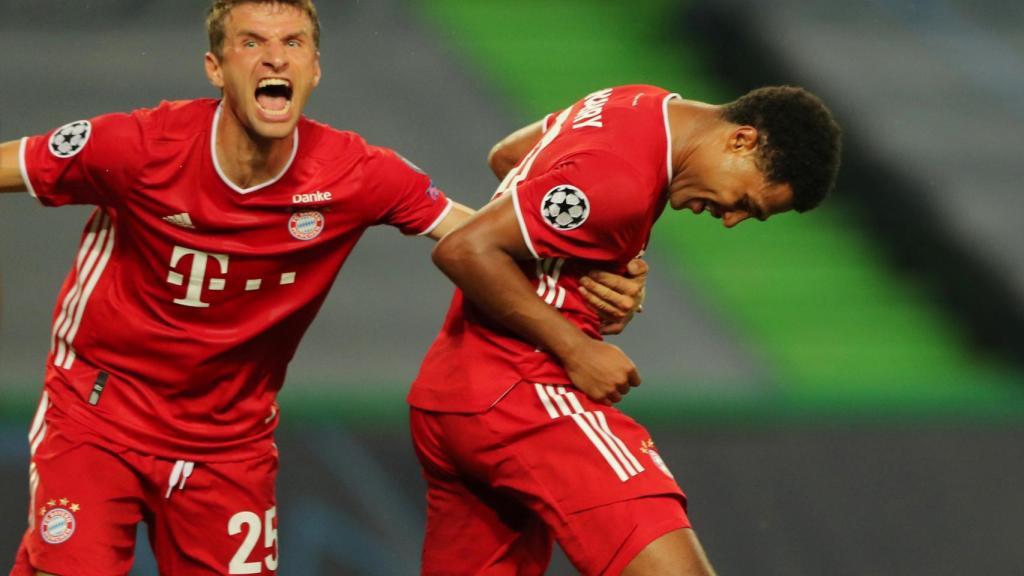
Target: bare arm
pixel 507 153
pixel 480 257
pixel 455 217
pixel 615 298
pixel 10 173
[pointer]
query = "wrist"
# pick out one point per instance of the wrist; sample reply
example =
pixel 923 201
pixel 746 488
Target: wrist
pixel 569 346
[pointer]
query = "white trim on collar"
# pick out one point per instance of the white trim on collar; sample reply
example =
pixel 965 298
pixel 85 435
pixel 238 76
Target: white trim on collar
pixel 225 179
pixel 668 132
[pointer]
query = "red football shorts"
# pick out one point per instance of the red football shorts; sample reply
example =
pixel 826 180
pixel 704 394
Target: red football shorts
pixel 544 462
pixel 86 499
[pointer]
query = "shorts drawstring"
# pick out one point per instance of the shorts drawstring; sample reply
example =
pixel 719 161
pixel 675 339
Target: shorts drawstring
pixel 181 471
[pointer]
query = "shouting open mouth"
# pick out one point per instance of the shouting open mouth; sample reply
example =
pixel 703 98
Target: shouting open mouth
pixel 274 97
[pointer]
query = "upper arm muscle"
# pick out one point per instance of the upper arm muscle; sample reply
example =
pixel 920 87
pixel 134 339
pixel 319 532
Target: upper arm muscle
pixel 496 226
pixel 10 171
pixel 507 153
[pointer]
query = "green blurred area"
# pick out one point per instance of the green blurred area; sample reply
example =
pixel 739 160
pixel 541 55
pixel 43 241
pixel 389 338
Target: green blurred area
pixel 810 293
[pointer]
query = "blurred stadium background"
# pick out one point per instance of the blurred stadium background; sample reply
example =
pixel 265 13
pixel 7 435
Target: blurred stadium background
pixel 839 393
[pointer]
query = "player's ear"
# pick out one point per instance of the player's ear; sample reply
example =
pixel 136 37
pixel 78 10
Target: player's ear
pixel 316 69
pixel 213 70
pixel 743 139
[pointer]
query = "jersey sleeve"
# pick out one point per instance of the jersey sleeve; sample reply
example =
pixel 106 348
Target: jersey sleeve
pixel 406 197
pixel 549 121
pixel 84 162
pixel 588 206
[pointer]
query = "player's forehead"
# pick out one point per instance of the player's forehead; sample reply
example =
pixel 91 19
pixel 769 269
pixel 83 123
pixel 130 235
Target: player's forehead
pixel 265 18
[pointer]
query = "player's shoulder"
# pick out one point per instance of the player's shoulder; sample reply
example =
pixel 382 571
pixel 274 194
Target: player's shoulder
pixel 629 108
pixel 635 121
pixel 640 101
pixel 327 143
pixel 341 149
pixel 641 94
pixel 177 120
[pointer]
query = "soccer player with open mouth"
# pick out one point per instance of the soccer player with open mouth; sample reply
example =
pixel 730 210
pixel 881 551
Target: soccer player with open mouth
pixel 220 225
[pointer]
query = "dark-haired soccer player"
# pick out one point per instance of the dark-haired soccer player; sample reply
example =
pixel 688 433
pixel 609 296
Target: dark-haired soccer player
pixel 220 226
pixel 512 412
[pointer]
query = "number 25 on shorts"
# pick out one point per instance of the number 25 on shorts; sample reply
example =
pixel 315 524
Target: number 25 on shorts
pixel 249 522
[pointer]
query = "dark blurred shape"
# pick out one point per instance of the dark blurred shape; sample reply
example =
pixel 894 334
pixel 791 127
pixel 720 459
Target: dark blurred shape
pixel 942 501
pixel 926 96
pixel 55 14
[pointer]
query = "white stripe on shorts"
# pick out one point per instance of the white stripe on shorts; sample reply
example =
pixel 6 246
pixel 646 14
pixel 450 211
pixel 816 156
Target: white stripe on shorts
pixel 33 485
pixel 561 401
pixel 602 424
pixel 36 434
pixel 37 421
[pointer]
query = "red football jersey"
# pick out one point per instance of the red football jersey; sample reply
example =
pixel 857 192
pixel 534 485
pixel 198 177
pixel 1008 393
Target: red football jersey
pixel 189 295
pixel 586 197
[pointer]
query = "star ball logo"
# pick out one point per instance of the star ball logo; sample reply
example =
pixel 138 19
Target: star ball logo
pixel 69 139
pixel 565 207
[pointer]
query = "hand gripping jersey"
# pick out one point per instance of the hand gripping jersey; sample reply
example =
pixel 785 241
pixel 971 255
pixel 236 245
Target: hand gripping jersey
pixel 188 295
pixel 586 197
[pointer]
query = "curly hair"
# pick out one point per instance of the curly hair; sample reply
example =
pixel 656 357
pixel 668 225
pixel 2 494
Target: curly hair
pixel 799 142
pixel 219 10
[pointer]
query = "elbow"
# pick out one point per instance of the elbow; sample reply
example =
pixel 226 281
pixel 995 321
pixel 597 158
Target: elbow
pixel 449 252
pixel 461 255
pixel 500 159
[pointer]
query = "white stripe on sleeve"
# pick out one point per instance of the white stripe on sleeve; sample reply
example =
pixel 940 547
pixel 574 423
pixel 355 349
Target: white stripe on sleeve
pixel 439 219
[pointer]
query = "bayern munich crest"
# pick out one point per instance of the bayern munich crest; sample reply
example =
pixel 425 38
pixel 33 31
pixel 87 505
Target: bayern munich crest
pixel 69 139
pixel 647 447
pixel 306 225
pixel 656 458
pixel 565 207
pixel 57 526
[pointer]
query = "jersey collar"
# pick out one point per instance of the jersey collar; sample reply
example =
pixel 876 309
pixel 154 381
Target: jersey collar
pixel 225 179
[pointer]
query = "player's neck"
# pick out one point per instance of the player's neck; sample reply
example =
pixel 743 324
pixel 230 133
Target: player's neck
pixel 247 159
pixel 690 123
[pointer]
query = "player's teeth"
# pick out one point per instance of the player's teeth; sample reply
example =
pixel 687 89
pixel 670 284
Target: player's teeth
pixel 272 82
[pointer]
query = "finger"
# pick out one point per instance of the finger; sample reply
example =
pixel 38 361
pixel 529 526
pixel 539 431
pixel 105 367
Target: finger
pixel 613 397
pixel 608 310
pixel 615 282
pixel 637 267
pixel 610 298
pixel 634 377
pixel 604 308
pixel 624 388
pixel 612 328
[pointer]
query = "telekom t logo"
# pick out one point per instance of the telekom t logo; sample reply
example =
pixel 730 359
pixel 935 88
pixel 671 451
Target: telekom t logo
pixel 196 276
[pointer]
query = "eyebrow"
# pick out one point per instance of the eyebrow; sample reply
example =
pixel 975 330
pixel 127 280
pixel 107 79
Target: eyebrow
pixel 262 38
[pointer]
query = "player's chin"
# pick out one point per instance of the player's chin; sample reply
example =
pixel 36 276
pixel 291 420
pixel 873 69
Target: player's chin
pixel 678 203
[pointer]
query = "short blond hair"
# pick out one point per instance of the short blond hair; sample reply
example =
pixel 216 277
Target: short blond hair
pixel 220 9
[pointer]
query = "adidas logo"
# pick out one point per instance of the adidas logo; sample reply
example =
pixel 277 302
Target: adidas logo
pixel 183 220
